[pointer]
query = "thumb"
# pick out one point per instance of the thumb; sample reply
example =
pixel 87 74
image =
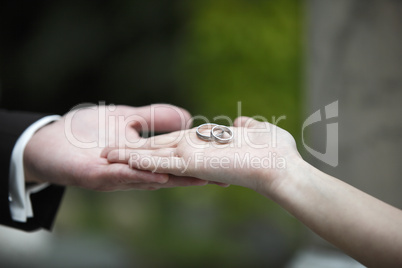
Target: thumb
pixel 244 121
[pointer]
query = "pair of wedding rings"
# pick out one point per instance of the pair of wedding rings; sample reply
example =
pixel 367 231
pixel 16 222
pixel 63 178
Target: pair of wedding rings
pixel 217 133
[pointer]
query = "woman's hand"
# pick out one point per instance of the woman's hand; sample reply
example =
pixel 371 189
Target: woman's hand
pixel 263 157
pixel 258 157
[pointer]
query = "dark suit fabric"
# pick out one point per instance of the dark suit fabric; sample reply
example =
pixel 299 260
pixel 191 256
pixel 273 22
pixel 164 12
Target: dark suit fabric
pixel 46 202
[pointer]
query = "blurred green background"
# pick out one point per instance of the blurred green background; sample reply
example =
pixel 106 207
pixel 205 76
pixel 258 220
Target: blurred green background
pixel 206 56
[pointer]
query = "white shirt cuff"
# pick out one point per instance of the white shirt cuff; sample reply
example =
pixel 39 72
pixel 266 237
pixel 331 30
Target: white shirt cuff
pixel 19 197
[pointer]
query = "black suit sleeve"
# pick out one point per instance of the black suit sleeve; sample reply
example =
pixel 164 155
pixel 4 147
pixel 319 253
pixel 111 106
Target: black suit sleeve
pixel 44 203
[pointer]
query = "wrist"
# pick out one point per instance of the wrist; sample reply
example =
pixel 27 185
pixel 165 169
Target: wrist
pixel 278 181
pixel 29 177
pixel 300 188
pixel 31 155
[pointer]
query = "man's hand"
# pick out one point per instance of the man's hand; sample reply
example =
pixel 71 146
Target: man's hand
pixel 67 152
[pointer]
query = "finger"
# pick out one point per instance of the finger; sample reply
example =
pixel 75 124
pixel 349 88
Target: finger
pixel 165 140
pixel 123 174
pixel 219 183
pixel 116 176
pixel 123 142
pixel 158 164
pixel 174 181
pixel 107 150
pixel 123 155
pixel 157 157
pixel 178 181
pixel 244 121
pixel 169 140
pixel 173 139
pixel 162 118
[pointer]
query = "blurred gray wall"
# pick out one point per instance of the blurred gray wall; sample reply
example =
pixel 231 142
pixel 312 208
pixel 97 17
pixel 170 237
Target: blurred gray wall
pixel 355 56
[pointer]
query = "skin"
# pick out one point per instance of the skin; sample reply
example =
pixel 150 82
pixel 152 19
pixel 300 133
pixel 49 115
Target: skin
pixel 55 154
pixel 362 226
